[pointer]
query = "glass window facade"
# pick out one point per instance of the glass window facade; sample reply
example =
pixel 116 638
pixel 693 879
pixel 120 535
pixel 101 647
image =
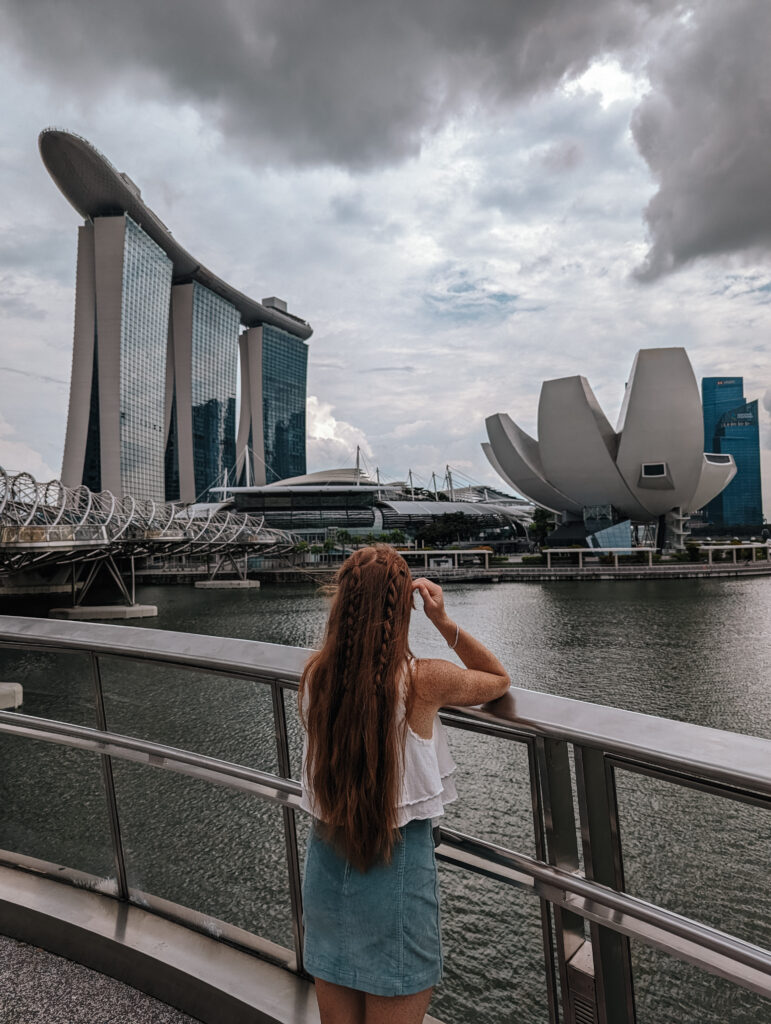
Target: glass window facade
pixel 92 465
pixel 718 395
pixel 214 356
pixel 146 298
pixel 734 427
pixel 284 375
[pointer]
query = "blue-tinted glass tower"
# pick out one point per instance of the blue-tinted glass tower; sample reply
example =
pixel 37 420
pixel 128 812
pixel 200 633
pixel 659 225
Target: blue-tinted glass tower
pixel 271 441
pixel 116 422
pixel 731 427
pixel 201 392
pixel 284 372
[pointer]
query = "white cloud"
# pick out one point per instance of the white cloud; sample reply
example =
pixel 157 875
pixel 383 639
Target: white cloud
pixel 610 80
pixel 331 442
pixel 16 456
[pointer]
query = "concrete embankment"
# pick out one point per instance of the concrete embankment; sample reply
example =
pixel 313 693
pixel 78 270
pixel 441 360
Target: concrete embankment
pixel 540 574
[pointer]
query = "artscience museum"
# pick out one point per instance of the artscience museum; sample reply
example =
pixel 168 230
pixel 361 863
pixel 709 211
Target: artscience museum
pixel 637 483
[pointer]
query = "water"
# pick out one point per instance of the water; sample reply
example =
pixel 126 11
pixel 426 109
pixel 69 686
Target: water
pixel 695 650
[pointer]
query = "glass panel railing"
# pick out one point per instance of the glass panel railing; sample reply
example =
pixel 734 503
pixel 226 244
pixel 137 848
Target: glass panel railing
pixel 493 953
pixel 52 806
pixel 493 783
pixel 212 849
pixel 209 713
pixel 56 685
pixel 696 853
pixel 669 991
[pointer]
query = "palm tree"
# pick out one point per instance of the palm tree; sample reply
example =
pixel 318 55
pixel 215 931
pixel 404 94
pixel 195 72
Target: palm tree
pixel 344 537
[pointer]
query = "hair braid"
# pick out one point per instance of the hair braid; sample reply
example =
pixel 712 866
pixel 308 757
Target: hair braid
pixel 350 624
pixel 388 622
pixel 351 689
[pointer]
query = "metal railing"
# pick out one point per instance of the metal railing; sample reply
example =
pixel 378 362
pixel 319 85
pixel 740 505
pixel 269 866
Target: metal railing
pixel 587 978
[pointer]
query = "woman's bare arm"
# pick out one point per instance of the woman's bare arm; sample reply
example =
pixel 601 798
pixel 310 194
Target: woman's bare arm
pixel 441 682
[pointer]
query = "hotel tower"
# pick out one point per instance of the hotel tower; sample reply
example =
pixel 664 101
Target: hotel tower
pixel 152 409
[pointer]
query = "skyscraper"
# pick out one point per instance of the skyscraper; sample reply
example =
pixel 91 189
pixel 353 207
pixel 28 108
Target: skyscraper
pixel 273 374
pixel 731 427
pixel 153 391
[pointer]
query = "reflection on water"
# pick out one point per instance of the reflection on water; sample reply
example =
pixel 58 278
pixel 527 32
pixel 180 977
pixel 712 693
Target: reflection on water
pixel 696 650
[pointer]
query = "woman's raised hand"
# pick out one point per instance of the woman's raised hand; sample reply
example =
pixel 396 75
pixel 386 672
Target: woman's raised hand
pixel 433 600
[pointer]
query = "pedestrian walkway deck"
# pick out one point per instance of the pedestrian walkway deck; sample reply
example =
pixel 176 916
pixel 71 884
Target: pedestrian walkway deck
pixel 36 986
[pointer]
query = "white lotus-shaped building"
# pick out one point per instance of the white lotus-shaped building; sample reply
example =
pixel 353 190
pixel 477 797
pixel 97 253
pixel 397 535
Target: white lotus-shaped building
pixel 652 465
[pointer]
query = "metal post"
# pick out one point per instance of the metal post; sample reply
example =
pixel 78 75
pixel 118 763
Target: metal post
pixel 290 825
pixel 734 554
pixel 650 559
pixel 580 559
pixel 562 851
pixel 109 785
pixel 133 582
pixel 603 863
pixel 615 560
pixel 548 559
pixel 547 929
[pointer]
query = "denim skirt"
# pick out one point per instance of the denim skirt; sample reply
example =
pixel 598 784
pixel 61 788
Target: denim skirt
pixel 377 931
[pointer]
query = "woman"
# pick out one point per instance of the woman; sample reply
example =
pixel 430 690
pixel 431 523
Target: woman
pixel 376 770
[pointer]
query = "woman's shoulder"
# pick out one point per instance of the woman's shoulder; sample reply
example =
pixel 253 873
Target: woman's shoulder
pixel 430 679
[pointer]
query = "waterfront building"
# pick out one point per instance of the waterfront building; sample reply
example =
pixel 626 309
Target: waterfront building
pixel 731 427
pixel 153 390
pixel 317 506
pixel 611 484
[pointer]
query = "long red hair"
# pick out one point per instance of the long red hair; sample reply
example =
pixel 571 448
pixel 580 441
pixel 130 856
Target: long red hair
pixel 349 703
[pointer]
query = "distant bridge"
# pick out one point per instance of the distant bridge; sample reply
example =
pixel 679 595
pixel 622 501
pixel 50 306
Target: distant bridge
pixel 46 528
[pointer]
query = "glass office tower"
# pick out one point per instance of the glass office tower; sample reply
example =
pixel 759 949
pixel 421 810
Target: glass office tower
pixel 116 422
pixel 144 329
pixel 201 390
pixel 731 427
pixel 216 324
pixel 284 373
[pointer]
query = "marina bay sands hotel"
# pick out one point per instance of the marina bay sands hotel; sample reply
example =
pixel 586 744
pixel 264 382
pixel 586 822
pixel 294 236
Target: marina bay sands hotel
pixel 152 408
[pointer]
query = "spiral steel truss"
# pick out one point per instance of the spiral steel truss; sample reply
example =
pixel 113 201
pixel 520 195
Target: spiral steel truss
pixel 48 523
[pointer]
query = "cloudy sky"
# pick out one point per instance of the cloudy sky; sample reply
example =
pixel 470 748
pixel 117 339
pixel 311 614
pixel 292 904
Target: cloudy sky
pixel 464 199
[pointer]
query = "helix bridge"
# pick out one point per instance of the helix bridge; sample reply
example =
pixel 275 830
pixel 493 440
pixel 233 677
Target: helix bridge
pixel 49 530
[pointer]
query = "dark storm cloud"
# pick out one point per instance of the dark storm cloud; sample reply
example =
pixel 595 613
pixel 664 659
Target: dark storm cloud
pixel 323 81
pixel 705 130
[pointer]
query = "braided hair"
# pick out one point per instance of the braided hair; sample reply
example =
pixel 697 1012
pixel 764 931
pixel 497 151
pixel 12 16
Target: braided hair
pixel 350 696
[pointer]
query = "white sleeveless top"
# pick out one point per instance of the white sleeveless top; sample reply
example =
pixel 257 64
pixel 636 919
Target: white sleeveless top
pixel 428 782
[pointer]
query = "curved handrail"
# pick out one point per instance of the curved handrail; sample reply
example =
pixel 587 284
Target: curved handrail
pixel 498 862
pixel 733 759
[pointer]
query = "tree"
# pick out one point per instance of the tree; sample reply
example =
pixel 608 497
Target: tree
pixel 541 526
pixel 299 548
pixel 344 536
pixel 442 530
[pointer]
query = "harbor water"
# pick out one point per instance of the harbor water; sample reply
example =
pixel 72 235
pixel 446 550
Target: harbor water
pixel 693 650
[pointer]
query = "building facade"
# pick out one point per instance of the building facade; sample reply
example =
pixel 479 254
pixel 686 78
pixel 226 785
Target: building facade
pixel 650 470
pixel 115 426
pixel 271 436
pixel 200 391
pixel 152 409
pixel 731 427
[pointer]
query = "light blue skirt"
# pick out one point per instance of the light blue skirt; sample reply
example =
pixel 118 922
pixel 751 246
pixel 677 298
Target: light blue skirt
pixel 376 931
